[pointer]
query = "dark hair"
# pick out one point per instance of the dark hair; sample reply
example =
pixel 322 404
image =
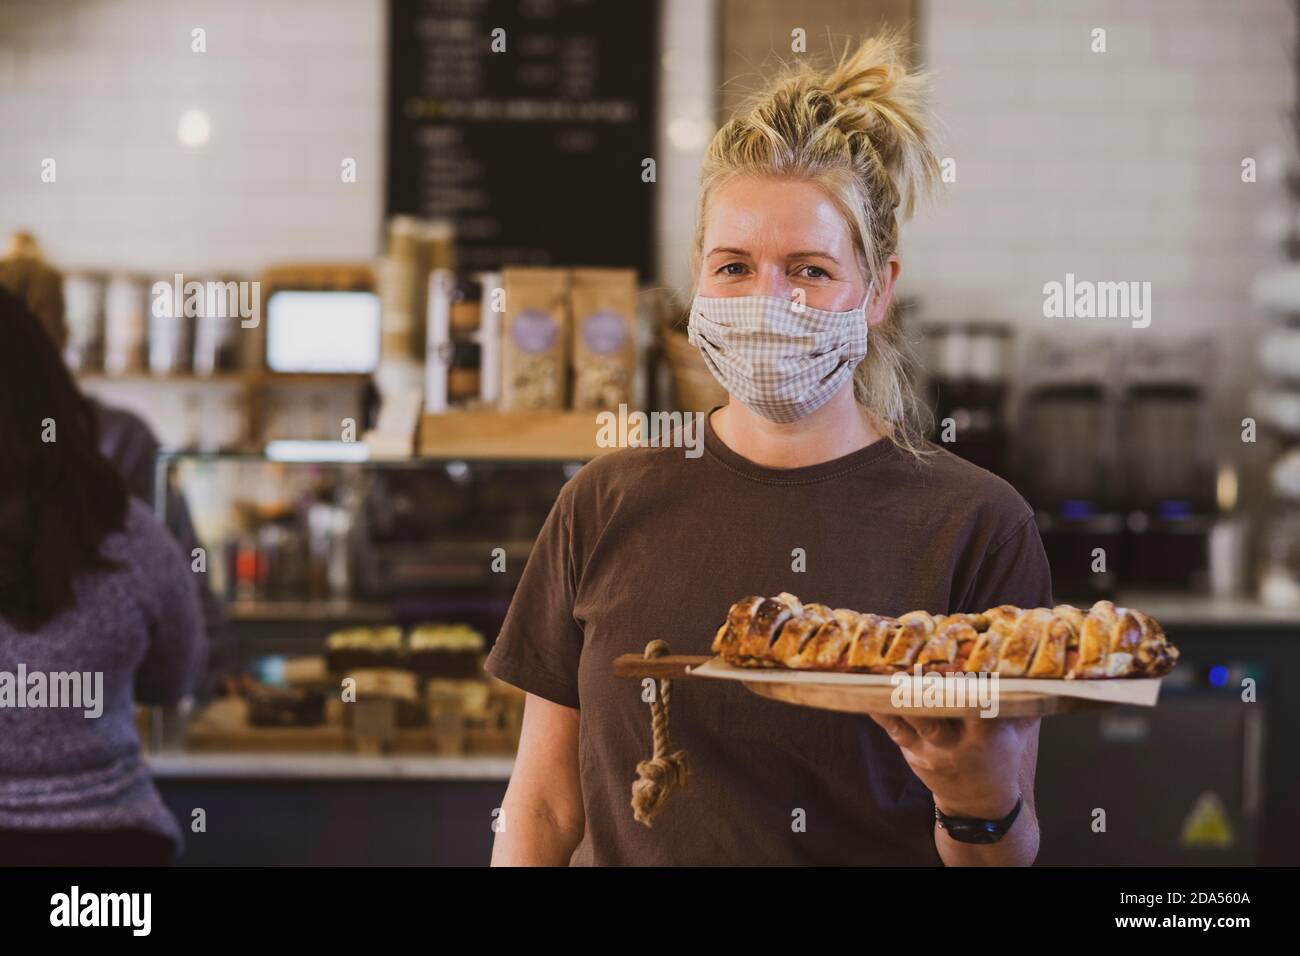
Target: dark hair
pixel 59 498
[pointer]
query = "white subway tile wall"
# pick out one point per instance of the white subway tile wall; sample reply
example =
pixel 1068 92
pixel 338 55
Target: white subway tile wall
pixel 290 87
pixel 1117 166
pixel 1122 165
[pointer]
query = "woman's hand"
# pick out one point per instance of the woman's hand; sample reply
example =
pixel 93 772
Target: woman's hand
pixel 973 765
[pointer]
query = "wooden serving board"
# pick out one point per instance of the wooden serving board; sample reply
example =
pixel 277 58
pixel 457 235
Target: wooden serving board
pixel 859 699
pixel 874 694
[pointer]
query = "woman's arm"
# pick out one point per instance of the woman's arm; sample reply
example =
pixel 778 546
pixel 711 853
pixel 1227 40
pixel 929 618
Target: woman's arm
pixel 1019 847
pixel 542 816
pixel 176 659
pixel 975 767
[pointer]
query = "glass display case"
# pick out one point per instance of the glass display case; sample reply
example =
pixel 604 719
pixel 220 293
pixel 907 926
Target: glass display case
pixel 357 600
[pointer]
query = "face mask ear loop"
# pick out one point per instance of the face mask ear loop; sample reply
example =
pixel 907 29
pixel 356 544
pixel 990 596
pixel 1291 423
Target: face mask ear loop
pixel 866 302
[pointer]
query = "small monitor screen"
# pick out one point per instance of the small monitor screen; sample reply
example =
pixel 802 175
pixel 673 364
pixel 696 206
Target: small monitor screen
pixel 322 331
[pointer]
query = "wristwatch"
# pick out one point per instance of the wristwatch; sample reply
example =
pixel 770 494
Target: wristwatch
pixel 971 830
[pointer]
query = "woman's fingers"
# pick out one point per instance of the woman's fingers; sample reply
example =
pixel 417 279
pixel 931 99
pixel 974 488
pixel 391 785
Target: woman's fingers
pixel 899 730
pixel 940 731
pixel 912 732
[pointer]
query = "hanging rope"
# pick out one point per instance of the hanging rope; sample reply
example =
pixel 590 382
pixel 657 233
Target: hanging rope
pixel 656 777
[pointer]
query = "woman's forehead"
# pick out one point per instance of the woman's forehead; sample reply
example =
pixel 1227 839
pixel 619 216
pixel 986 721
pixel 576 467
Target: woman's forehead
pixel 774 216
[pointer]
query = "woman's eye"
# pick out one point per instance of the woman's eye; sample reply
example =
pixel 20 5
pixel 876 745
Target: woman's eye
pixel 732 269
pixel 815 272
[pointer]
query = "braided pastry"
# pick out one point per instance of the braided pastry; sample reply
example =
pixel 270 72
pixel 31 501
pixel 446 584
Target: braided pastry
pixel 1060 642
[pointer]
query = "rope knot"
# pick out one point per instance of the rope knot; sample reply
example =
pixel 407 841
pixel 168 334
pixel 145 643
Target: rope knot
pixel 655 779
pixel 657 776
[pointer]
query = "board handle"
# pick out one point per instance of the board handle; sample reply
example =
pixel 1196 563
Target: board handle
pixel 668 667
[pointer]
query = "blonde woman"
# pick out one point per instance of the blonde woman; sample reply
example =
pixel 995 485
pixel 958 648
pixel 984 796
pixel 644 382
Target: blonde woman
pixel 815 480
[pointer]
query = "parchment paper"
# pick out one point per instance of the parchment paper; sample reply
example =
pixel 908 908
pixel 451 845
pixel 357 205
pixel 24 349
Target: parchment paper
pixel 1141 691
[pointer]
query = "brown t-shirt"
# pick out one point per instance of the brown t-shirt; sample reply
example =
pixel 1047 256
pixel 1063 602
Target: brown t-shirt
pixel 647 543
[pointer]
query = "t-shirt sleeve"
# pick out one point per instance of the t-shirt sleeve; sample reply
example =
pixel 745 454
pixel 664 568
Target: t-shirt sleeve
pixel 540 641
pixel 1014 571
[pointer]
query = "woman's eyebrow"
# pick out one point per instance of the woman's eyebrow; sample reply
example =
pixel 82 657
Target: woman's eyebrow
pixel 798 254
pixel 812 254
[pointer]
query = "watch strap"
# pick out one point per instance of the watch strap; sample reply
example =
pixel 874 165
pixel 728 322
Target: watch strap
pixel 974 830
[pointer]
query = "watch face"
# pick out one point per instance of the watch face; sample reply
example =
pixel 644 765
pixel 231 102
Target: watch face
pixel 986 833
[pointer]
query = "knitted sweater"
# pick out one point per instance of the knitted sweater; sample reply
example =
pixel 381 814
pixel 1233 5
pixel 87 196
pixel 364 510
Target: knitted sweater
pixel 69 759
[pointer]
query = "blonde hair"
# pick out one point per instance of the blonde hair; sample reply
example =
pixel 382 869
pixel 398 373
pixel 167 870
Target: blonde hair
pixel 861 131
pixel 25 273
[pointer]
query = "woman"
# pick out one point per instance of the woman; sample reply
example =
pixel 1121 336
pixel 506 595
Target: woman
pixel 815 480
pixel 92 586
pixel 124 438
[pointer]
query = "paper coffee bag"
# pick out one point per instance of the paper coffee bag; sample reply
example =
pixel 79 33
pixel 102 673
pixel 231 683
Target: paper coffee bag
pixel 535 343
pixel 604 309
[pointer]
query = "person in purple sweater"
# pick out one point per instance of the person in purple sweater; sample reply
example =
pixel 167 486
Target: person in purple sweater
pixel 124 438
pixel 98 610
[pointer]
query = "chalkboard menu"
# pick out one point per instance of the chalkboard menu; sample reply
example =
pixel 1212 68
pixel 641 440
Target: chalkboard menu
pixel 527 123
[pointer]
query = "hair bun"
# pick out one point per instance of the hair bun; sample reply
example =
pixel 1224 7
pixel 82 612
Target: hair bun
pixel 870 70
pixel 881 96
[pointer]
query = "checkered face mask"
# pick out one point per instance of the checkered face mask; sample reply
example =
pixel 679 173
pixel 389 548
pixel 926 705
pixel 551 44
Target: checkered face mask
pixel 782 359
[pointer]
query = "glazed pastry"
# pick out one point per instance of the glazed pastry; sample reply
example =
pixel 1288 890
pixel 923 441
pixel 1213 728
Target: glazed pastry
pixel 868 650
pixel 953 641
pixel 1018 649
pixel 1062 642
pixel 827 644
pixel 799 631
pixel 914 631
pixel 1049 656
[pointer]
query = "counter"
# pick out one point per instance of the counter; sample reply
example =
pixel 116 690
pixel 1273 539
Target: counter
pixel 1173 609
pixel 267 809
pixel 293 766
pixel 423 809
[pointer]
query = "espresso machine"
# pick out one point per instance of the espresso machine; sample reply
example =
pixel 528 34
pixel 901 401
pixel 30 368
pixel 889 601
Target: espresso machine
pixel 1066 464
pixel 1117 461
pixel 1167 463
pixel 968 365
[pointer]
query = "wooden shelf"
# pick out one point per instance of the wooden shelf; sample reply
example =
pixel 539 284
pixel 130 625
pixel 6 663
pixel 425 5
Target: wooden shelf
pixel 259 377
pixel 266 377
pixel 320 610
pixel 252 385
pixel 185 378
pixel 559 436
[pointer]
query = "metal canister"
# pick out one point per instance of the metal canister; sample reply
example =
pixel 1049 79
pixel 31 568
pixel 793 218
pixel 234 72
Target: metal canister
pixel 171 323
pixel 83 311
pixel 125 305
pixel 216 345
